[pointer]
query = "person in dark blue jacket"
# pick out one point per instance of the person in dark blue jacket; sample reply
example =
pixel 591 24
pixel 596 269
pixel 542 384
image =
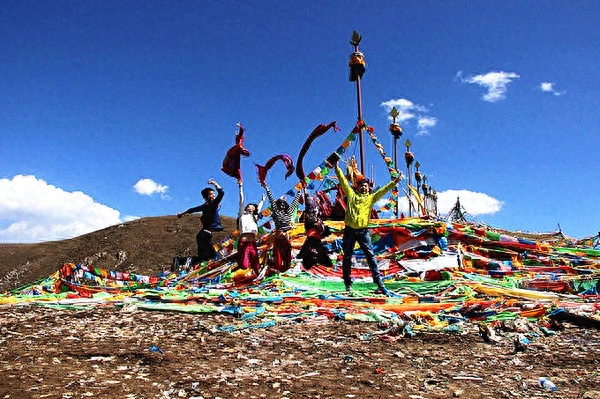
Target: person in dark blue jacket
pixel 210 219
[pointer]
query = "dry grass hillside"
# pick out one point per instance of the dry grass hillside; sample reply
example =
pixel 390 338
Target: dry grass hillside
pixel 144 246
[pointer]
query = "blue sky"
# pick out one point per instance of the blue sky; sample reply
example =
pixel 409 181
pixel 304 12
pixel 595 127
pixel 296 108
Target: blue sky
pixel 112 110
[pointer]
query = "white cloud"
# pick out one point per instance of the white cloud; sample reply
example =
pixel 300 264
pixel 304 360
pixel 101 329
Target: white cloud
pixel 495 82
pixel 149 187
pixel 548 87
pixel 409 111
pixel 473 202
pixel 32 210
pixel 425 123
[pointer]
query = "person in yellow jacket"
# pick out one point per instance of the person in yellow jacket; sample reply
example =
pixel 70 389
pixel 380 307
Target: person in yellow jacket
pixel 359 203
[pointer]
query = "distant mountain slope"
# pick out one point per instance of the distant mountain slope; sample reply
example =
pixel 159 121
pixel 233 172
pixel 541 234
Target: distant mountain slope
pixel 143 246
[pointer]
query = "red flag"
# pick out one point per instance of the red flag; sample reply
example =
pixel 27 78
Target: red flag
pixel 318 131
pixel 232 161
pixel 286 159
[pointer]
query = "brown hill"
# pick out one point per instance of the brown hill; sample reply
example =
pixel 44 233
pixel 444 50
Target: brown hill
pixel 143 246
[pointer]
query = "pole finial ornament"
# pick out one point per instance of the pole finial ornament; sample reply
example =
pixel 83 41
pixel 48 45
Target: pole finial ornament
pixel 357 59
pixel 395 128
pixel 357 69
pixel 356 38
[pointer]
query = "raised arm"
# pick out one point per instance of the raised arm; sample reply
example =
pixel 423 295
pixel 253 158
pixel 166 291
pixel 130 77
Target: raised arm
pixel 296 200
pixel 269 194
pixel 377 195
pixel 220 192
pixel 343 181
pixel 261 203
pixel 214 183
pixel 241 205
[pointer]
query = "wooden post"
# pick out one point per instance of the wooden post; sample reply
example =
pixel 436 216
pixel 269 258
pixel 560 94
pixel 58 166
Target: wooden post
pixel 396 131
pixel 357 69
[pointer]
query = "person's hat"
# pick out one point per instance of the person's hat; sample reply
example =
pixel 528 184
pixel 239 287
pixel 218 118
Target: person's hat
pixel 361 179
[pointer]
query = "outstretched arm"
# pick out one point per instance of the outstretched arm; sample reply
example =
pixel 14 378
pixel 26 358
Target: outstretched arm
pixel 377 195
pixel 191 210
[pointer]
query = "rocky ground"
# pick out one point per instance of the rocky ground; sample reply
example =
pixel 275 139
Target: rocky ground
pixel 122 352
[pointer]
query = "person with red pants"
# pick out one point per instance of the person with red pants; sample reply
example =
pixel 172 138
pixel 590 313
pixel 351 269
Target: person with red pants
pixel 248 230
pixel 282 214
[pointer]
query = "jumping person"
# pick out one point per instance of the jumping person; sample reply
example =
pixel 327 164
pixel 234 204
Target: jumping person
pixel 210 219
pixel 313 250
pixel 282 214
pixel 359 203
pixel 248 228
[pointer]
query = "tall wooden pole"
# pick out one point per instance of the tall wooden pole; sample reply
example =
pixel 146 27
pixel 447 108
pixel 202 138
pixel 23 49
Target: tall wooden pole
pixel 426 194
pixel 360 134
pixel 396 131
pixel 409 158
pixel 357 68
pixel 418 176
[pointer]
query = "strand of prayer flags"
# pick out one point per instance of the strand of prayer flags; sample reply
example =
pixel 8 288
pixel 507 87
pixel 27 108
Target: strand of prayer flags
pixel 393 200
pixel 320 173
